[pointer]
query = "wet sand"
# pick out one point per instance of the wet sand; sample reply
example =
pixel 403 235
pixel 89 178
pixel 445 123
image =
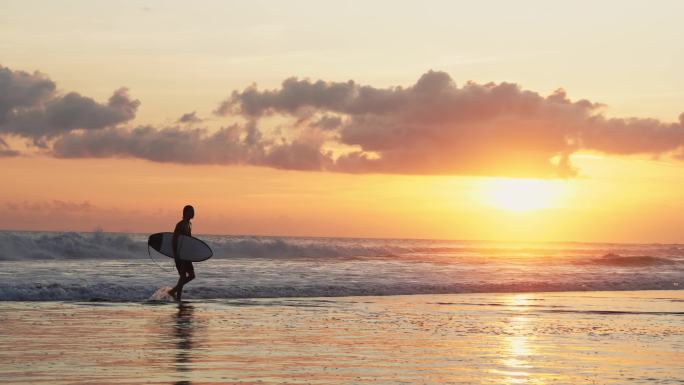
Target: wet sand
pixel 532 338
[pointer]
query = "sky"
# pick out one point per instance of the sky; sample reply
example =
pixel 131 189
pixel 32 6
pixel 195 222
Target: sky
pixel 528 120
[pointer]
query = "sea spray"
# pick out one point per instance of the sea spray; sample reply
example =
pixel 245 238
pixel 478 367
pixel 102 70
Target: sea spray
pixel 161 295
pixel 115 267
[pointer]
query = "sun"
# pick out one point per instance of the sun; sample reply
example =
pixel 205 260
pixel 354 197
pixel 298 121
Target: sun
pixel 521 194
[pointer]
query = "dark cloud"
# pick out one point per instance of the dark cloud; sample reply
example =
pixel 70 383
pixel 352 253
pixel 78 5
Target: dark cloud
pixel 31 108
pixel 327 122
pixel 55 205
pixel 172 144
pixel 293 95
pixel 6 151
pixel 21 90
pixel 300 154
pixel 71 112
pixel 436 127
pixel 189 118
pixel 236 144
pixel 632 136
pixel 9 153
pixel 431 127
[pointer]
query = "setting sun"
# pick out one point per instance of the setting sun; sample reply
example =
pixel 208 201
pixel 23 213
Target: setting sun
pixel 521 194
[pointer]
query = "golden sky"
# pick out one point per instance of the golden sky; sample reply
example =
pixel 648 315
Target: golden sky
pixel 413 119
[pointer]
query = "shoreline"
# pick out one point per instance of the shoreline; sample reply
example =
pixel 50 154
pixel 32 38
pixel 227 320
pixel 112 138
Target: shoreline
pixel 210 300
pixel 567 337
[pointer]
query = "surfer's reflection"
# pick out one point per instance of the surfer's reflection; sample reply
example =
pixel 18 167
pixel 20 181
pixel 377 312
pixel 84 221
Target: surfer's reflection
pixel 183 331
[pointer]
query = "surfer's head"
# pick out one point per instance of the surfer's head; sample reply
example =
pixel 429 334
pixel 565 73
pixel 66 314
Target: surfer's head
pixel 188 212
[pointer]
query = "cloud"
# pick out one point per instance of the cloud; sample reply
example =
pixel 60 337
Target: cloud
pixel 30 107
pixel 55 205
pixel 190 118
pixel 431 127
pixel 238 144
pixel 171 144
pixel 328 122
pixel 632 136
pixel 6 151
pixel 21 90
pixel 436 127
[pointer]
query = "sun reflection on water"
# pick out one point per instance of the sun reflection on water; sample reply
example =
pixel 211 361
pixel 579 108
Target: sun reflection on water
pixel 516 348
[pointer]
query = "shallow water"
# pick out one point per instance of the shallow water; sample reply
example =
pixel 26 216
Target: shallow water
pixel 629 337
pixel 116 267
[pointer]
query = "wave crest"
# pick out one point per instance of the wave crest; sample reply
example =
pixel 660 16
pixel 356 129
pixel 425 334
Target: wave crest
pixel 140 292
pixel 612 259
pixel 17 246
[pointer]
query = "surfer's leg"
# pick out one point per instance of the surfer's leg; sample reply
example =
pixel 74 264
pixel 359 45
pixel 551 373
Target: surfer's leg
pixel 175 292
pixel 179 293
pixel 178 289
pixel 190 269
pixel 184 278
pixel 187 273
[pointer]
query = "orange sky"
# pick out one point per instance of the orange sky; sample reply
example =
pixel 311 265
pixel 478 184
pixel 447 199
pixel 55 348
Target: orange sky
pixel 627 181
pixel 141 196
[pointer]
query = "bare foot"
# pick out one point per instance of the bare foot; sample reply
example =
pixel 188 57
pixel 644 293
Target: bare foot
pixel 173 294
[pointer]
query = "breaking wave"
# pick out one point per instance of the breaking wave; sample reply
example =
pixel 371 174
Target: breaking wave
pixel 115 267
pixel 141 292
pixel 17 246
pixel 611 259
pixel 275 247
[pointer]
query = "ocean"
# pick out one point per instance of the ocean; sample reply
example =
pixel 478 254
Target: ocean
pixel 77 308
pixel 100 266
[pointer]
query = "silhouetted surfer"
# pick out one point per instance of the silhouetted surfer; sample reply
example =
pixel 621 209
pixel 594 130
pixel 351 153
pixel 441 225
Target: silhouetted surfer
pixel 185 269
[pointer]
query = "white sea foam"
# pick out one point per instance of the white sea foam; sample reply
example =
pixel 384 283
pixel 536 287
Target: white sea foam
pixel 161 295
pixel 68 245
pixel 115 267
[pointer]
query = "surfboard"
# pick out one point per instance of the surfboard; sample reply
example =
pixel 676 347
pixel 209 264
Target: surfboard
pixel 189 248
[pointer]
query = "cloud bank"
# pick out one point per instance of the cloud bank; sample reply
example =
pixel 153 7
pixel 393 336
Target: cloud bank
pixel 431 127
pixel 232 145
pixel 30 107
pixel 54 205
pixel 436 127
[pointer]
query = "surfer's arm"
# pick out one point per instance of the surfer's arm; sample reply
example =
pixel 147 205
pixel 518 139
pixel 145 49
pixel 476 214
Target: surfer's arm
pixel 174 244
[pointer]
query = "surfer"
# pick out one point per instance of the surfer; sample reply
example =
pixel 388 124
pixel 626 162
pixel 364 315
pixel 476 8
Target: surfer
pixel 185 269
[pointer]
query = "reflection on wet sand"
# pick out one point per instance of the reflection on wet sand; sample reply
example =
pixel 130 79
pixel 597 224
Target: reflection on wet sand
pixel 612 338
pixel 183 333
pixel 516 347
